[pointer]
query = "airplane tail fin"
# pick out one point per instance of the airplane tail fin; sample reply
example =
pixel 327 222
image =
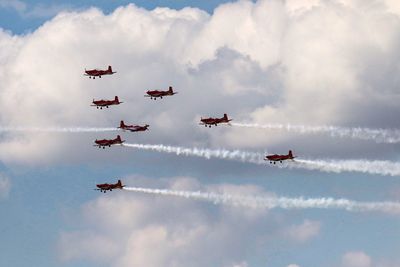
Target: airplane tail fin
pixel 225 117
pixel 116 99
pixel 170 89
pixel 110 69
pixel 119 138
pixel 290 154
pixel 121 124
pixel 120 185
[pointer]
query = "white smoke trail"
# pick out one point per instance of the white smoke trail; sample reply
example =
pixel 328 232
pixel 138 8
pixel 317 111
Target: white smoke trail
pixel 58 129
pixel 276 202
pixel 377 135
pixel 381 167
pixel 238 155
pixel 364 166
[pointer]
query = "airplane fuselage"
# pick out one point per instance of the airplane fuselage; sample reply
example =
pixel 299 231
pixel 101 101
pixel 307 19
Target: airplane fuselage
pixel 153 94
pixel 110 187
pixel 105 103
pixel 108 142
pixel 275 158
pixel 98 73
pixel 133 128
pixel 214 121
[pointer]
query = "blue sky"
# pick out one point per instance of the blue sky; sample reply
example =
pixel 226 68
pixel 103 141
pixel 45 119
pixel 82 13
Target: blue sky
pixel 20 21
pixel 262 62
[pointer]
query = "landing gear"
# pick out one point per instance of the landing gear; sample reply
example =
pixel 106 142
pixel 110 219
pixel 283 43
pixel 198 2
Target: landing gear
pixel 97 107
pixel 104 147
pixel 274 162
pixel 161 97
pixel 99 76
pixel 209 126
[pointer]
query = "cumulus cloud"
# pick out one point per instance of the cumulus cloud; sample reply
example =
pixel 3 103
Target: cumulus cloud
pixel 325 62
pixel 142 230
pixel 303 232
pixel 356 259
pixel 362 259
pixel 5 186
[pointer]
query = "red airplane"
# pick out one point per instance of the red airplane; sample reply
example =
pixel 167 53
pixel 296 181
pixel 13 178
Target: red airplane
pixel 104 187
pixel 214 121
pixel 105 103
pixel 98 73
pixel 156 93
pixel 274 158
pixel 108 142
pixel 133 128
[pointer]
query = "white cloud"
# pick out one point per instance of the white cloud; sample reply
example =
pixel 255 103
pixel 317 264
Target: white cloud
pixel 18 5
pixel 356 259
pixel 26 10
pixel 143 230
pixel 5 186
pixel 324 62
pixel 362 259
pixel 241 264
pixel 304 232
pixel 293 265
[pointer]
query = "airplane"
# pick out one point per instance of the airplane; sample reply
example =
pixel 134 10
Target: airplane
pixel 155 93
pixel 214 121
pixel 108 142
pixel 105 103
pixel 98 73
pixel 274 158
pixel 104 187
pixel 133 128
